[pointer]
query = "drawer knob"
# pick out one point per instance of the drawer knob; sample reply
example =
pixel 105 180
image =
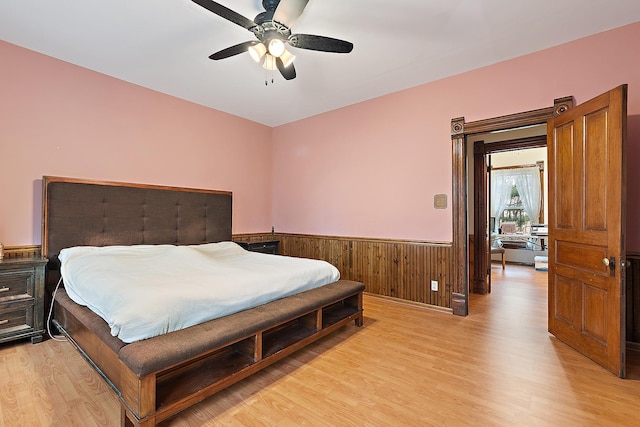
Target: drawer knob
pixel 4 289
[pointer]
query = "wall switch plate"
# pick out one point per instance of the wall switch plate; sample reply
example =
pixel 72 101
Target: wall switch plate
pixel 440 201
pixel 434 285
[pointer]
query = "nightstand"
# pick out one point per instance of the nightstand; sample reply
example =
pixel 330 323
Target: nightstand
pixel 22 299
pixel 266 247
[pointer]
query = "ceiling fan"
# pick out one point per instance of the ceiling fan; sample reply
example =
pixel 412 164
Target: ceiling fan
pixel 272 30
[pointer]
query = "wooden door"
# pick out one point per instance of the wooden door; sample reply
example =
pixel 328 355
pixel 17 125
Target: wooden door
pixel 586 228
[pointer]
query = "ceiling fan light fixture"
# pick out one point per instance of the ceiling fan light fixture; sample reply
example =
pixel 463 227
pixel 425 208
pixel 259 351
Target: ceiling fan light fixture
pixel 269 63
pixel 272 29
pixel 276 47
pixel 257 51
pixel 287 58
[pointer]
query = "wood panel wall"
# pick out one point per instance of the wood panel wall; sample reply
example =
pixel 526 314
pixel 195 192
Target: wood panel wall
pixel 390 268
pixel 398 269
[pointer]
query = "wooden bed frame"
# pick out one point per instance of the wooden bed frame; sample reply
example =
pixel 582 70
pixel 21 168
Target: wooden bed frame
pixel 161 376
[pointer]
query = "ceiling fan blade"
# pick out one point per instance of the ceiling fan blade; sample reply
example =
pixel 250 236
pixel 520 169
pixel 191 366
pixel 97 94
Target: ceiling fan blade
pixel 288 11
pixel 289 73
pixel 233 50
pixel 226 13
pixel 321 43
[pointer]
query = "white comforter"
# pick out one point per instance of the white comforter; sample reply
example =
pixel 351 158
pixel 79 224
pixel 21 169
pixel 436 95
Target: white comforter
pixel 147 290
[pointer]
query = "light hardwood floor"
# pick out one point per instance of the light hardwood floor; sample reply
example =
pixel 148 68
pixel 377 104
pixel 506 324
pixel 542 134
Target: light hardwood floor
pixel 407 365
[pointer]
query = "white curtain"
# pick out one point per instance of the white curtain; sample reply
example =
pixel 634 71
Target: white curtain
pixel 527 182
pixel 501 184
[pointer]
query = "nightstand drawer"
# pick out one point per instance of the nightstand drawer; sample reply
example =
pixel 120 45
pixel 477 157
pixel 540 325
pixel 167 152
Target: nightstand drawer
pixel 16 319
pixel 265 247
pixel 16 284
pixel 22 299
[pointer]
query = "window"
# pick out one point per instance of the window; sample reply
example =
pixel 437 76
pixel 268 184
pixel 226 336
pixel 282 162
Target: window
pixel 514 212
pixel 516 197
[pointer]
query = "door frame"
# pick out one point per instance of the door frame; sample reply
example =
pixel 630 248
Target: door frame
pixel 459 133
pixel 480 283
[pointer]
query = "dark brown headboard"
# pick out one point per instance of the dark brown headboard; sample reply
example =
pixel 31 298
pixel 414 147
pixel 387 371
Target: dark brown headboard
pixel 95 213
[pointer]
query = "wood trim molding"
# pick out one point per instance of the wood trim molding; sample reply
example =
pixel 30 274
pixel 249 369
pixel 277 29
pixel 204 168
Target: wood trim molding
pixel 481 258
pixel 459 206
pixel 527 118
pixel 16 252
pixel 416 304
pixel 255 237
pixel 265 236
pixel 459 304
pixel 513 144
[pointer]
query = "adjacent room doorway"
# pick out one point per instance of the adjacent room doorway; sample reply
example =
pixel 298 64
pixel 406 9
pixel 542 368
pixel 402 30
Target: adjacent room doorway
pixel 587 182
pixel 480 149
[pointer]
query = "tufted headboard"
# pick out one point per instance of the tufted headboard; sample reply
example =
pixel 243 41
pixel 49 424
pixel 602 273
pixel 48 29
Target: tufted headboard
pixel 79 212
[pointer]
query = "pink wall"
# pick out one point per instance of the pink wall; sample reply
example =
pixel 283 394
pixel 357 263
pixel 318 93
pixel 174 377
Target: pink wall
pixel 60 119
pixel 371 169
pixel 367 170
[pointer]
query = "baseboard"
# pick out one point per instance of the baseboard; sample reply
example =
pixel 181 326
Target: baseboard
pixel 412 303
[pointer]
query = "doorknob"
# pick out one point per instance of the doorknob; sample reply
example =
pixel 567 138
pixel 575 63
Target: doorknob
pixel 611 263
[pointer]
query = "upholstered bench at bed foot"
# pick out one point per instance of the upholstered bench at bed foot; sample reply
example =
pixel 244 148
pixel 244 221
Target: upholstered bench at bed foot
pixel 158 377
pixel 146 356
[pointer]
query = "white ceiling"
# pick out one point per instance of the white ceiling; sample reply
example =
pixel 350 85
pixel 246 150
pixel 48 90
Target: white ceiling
pixel 164 45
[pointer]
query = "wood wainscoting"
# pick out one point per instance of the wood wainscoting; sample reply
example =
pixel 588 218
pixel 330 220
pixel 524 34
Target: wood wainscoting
pixel 13 252
pixel 398 269
pixel 391 268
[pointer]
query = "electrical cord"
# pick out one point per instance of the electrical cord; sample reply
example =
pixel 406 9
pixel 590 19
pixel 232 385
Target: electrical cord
pixel 53 298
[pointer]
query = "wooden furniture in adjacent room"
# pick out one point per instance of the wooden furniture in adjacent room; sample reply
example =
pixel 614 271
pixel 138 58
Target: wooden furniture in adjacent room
pixel 508 228
pixel 22 299
pixel 500 251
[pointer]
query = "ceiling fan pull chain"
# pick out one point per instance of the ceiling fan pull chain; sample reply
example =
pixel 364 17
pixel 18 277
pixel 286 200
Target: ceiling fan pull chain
pixel 268 75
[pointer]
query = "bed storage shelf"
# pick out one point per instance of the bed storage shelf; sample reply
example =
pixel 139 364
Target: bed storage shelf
pixel 287 334
pixel 196 377
pixel 340 310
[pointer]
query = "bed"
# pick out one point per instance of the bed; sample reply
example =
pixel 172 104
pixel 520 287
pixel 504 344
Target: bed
pixel 159 376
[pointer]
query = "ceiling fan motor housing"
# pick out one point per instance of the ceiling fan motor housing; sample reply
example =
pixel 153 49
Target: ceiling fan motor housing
pixel 270 5
pixel 269 30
